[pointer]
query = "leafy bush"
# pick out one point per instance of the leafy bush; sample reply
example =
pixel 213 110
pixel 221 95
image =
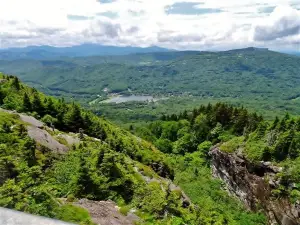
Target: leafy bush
pixel 74 214
pixel 124 210
pixel 232 145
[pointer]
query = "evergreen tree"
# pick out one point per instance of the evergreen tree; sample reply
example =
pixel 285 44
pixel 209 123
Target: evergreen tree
pixel 163 118
pixel 73 119
pixel 6 127
pixel 2 96
pixel 267 154
pixel 261 129
pixel 294 149
pixel 241 121
pixel 62 109
pixel 29 152
pixel 27 107
pixel 297 125
pixel 16 83
pixel 37 104
pixel 283 125
pixel 283 145
pixel 49 107
pixel 275 123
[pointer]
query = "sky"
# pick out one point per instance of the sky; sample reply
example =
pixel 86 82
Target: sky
pixel 176 24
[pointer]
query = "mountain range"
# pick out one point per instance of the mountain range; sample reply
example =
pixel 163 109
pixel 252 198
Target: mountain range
pixel 84 50
pixel 49 52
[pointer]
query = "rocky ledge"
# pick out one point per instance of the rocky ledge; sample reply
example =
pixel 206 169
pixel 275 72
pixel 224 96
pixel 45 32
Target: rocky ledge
pixel 253 185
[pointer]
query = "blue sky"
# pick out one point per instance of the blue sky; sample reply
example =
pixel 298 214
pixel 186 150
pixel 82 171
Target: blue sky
pixel 178 24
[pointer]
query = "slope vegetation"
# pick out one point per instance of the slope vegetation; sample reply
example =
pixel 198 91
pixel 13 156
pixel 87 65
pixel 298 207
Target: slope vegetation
pixel 258 160
pixel 99 162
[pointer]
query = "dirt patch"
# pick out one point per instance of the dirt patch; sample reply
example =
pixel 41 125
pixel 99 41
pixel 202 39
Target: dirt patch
pixel 106 213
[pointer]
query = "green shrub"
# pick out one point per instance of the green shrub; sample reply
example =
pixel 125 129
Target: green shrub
pixel 61 140
pixel 75 214
pixel 49 120
pixel 256 149
pixel 71 198
pixel 124 210
pixel 232 145
pixel 295 195
pixel 204 147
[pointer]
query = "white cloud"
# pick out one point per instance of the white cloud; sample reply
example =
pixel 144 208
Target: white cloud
pixel 230 23
pixel 283 22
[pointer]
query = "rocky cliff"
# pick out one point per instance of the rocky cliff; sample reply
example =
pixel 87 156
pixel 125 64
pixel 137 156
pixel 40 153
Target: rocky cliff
pixel 253 185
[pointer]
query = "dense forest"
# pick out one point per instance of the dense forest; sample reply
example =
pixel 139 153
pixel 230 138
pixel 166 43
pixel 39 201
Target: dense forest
pixel 232 129
pixel 260 79
pixel 109 163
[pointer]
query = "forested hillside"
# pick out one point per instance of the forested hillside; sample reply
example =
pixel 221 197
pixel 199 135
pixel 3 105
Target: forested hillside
pixel 257 78
pixel 267 151
pixel 99 161
pixel 239 73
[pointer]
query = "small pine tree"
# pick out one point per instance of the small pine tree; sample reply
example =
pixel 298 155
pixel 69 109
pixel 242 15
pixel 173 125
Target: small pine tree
pixel 16 83
pixel 73 119
pixel 6 127
pixel 275 123
pixel 27 107
pixel 2 96
pixel 163 118
pixel 37 104
pixel 49 108
pixel 29 151
pixel 131 128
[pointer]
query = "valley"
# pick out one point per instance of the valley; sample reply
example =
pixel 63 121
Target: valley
pixel 260 79
pixel 177 154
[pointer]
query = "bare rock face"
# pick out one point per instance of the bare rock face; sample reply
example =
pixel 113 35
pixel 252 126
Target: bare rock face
pixel 36 131
pixel 42 137
pixel 31 121
pixel 248 182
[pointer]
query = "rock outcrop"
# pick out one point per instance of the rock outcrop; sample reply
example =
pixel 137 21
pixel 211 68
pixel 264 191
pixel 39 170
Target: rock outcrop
pixel 37 130
pixel 253 184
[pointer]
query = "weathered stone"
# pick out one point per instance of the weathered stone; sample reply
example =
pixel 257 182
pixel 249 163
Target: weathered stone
pixel 36 130
pixel 43 138
pixel 247 181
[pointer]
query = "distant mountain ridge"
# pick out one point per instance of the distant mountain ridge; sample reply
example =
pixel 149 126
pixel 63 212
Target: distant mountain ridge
pixel 46 52
pixel 49 52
